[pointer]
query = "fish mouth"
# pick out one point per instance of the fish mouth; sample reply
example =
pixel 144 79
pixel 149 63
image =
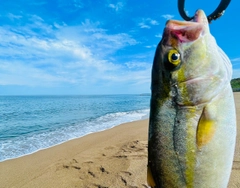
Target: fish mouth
pixel 187 31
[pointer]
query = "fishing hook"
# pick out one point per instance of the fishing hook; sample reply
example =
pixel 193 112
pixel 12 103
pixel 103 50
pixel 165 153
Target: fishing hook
pixel 215 15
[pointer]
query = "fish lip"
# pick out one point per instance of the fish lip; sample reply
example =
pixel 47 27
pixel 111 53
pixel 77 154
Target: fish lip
pixel 178 25
pixel 188 31
pixel 200 17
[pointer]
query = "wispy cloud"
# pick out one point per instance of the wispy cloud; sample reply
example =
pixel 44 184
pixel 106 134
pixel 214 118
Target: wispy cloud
pixel 150 46
pixel 236 62
pixel 236 59
pixel 118 6
pixel 13 17
pixel 158 35
pixel 78 3
pixel 137 65
pixel 60 54
pixel 147 23
pixel 168 16
pixel 153 22
pixel 144 25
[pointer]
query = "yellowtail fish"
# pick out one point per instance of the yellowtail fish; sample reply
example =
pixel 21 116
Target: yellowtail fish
pixel 192 128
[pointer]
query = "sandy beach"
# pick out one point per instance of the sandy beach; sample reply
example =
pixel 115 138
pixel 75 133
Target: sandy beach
pixel 112 158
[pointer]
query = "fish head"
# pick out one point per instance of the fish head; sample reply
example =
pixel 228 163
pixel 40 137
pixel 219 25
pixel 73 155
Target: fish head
pixel 188 63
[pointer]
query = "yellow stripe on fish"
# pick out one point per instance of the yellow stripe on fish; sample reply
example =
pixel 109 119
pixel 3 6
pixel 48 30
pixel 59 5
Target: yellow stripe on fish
pixel 190 155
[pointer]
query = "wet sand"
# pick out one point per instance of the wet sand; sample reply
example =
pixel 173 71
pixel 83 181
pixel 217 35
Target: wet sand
pixel 113 158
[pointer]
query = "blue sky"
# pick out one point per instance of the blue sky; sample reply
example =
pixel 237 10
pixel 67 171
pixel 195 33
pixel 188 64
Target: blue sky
pixel 93 47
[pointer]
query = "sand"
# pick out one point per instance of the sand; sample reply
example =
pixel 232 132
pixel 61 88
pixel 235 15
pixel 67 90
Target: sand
pixel 113 158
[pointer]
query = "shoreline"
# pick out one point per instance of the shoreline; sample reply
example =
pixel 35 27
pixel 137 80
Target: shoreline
pixel 35 169
pixel 70 140
pixel 116 157
pixel 70 133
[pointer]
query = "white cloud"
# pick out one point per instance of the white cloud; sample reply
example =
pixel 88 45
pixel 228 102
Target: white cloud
pixel 118 6
pixel 119 40
pixel 13 16
pixel 82 55
pixel 147 23
pixel 151 46
pixel 154 22
pixel 168 16
pixel 18 73
pixel 137 65
pixel 236 59
pixel 158 35
pixel 77 3
pixel 143 25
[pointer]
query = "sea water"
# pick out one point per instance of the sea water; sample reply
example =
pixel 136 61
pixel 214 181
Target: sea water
pixel 32 123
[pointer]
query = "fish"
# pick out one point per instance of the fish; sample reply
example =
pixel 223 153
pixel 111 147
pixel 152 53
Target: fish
pixel 192 121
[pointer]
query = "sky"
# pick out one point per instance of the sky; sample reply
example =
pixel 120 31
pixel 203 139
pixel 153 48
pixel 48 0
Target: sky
pixel 77 47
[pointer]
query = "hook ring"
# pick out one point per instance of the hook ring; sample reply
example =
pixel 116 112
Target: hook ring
pixel 215 15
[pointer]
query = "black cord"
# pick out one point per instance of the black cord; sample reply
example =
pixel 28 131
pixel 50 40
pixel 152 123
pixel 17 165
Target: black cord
pixel 215 15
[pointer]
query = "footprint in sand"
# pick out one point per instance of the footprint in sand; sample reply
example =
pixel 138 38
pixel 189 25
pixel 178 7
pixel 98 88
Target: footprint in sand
pixel 136 149
pixel 112 165
pixel 72 164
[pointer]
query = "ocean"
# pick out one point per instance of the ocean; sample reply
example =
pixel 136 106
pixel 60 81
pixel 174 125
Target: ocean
pixel 32 123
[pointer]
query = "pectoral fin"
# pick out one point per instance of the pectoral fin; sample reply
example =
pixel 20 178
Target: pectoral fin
pixel 206 128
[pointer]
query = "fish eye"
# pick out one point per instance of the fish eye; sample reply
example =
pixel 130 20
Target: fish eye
pixel 174 57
